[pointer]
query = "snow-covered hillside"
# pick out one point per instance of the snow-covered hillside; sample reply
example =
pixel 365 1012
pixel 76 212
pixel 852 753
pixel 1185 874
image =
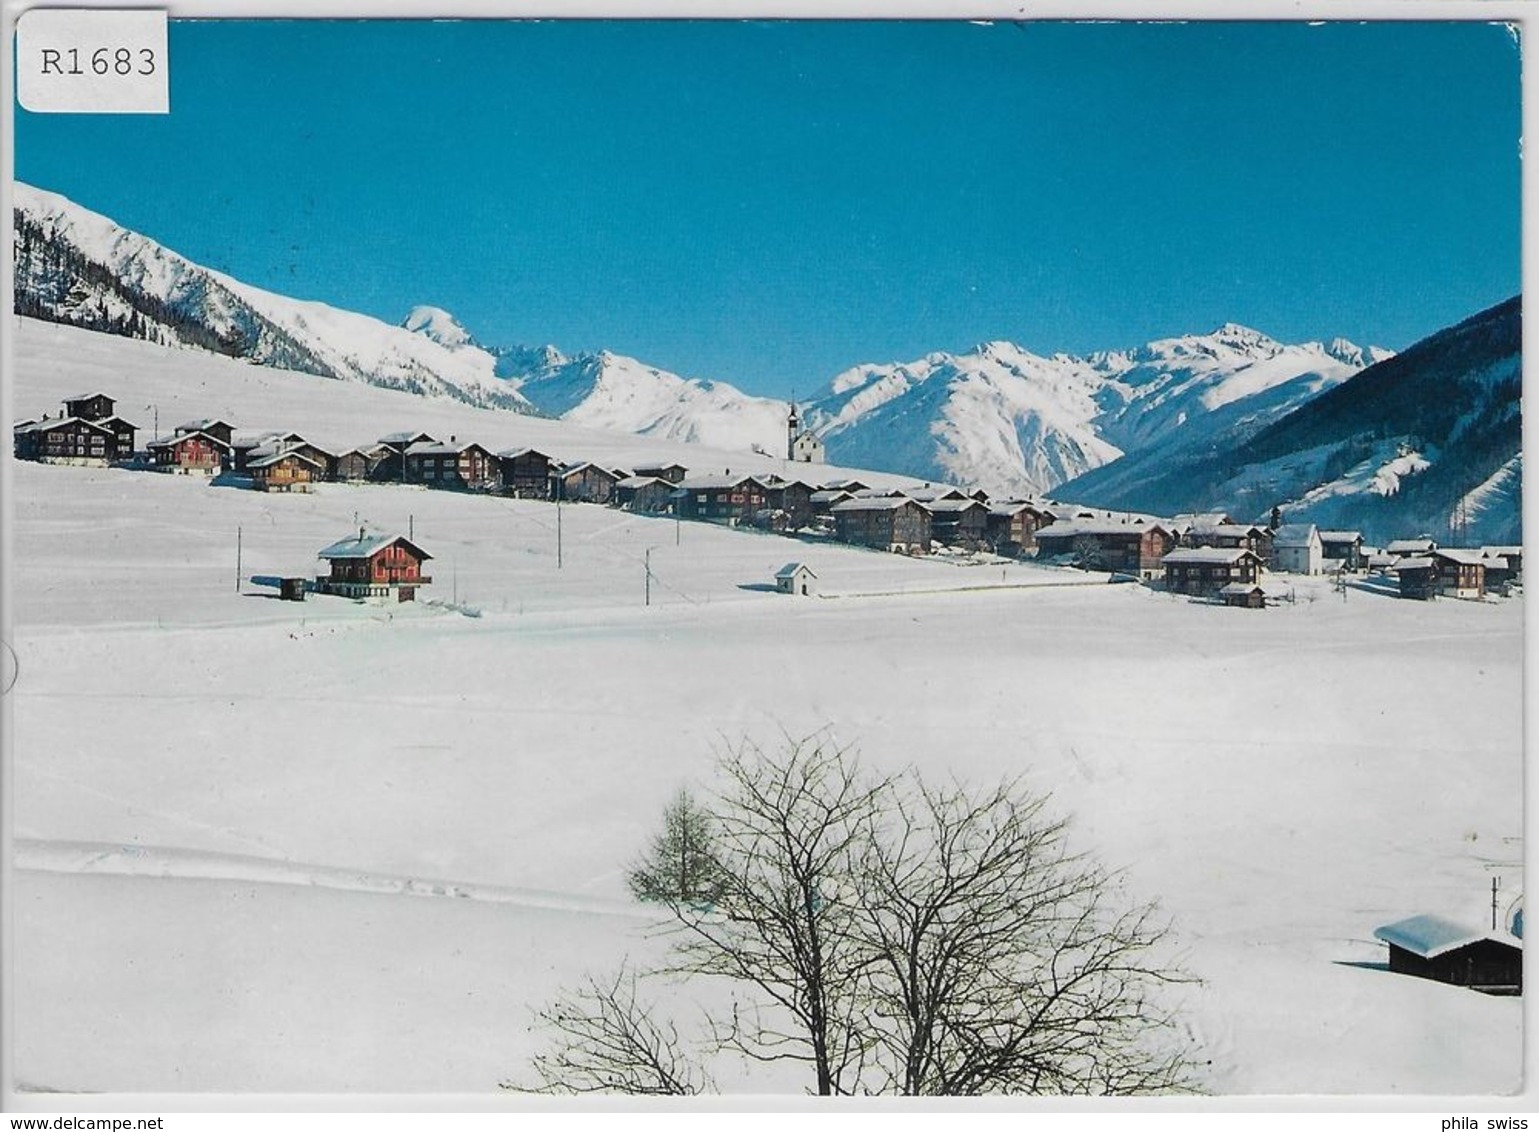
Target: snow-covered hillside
pixel 75 266
pixel 999 417
pixel 1016 422
pixel 332 847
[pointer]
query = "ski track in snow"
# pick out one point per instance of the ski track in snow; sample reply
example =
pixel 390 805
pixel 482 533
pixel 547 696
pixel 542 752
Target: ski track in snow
pixel 116 859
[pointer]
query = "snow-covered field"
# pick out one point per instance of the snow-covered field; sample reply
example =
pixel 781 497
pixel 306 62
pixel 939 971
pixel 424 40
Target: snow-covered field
pixel 267 846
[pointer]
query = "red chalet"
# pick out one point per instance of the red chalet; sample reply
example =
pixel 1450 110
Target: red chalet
pixel 374 566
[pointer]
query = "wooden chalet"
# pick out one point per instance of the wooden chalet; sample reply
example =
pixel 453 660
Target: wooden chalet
pixel 526 473
pixel 74 440
pixel 374 566
pixel 891 523
pixel 190 453
pixel 1135 546
pixel 961 523
pixel 644 494
pixel 1430 947
pixel 586 483
pixel 721 499
pixel 1343 549
pixel 89 406
pixel 1205 571
pixel 464 467
pixel 1443 573
pixel 823 500
pixel 288 470
pixel 246 446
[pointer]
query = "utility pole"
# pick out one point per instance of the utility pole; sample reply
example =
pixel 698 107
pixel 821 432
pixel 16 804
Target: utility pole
pixel 1494 881
pixel 558 532
pixel 237 558
pixel 649 584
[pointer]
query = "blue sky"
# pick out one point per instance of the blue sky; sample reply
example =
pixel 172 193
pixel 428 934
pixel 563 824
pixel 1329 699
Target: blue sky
pixel 769 203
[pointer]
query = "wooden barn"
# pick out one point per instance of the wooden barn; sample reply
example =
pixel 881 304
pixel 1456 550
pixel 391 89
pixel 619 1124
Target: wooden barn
pixel 190 453
pixel 358 465
pixel 525 473
pixel 586 483
pixel 673 473
pixel 1243 595
pixel 1431 947
pixel 889 522
pixel 222 431
pixel 644 494
pixel 374 566
pixel 1208 570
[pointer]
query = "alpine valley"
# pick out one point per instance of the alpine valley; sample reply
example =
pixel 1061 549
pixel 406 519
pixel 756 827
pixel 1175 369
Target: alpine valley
pixel 1428 441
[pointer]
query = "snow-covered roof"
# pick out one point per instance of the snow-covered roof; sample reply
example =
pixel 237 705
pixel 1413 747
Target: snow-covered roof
pixel 437 448
pixel 930 493
pixel 1411 546
pixel 1073 528
pixel 1236 588
pixel 1502 551
pixel 183 437
pixel 830 495
pixel 45 424
pixel 1341 536
pixel 1211 555
pixel 1430 936
pixel 843 485
pixel 1295 534
pixel 203 424
pixel 642 481
pixel 1201 521
pixel 366 546
pixel 878 503
pixel 1460 555
pixel 1412 562
pixel 279 456
pixel 514 453
pixel 953 506
pixel 88 396
pixel 716 483
pixel 405 437
pixel 790 570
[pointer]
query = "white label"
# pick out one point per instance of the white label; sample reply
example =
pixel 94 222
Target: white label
pixel 92 61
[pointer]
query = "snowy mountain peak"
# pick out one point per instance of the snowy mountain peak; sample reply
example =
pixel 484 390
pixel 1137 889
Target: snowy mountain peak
pixel 439 325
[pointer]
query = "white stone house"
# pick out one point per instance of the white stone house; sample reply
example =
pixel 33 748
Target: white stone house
pixel 1298 549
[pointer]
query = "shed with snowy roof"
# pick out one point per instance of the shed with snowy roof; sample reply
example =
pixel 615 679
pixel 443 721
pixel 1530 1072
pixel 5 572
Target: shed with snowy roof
pixel 368 565
pixel 796 578
pixel 1431 947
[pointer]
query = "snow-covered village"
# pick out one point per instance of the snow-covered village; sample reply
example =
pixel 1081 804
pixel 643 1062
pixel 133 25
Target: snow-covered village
pixel 411 714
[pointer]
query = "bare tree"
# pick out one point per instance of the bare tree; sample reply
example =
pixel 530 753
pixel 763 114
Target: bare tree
pixel 790 834
pixel 1002 966
pixel 896 938
pixel 608 1041
pixel 680 865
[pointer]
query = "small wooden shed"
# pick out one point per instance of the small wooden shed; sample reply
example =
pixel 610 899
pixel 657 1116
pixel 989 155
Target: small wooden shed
pixel 1431 947
pixel 796 578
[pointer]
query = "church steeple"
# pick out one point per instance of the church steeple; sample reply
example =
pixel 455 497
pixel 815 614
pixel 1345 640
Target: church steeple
pixel 793 430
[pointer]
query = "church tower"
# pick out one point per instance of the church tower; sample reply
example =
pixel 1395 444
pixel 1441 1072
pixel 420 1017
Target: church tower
pixel 793 430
